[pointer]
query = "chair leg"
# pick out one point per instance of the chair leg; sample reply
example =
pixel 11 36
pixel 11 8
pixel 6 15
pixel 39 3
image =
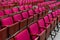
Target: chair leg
pixel 53 35
pixel 57 28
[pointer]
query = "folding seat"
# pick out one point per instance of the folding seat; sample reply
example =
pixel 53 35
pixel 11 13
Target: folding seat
pixel 34 2
pixel 24 2
pixel 58 13
pixel 40 1
pixel 15 9
pixel 11 4
pixel 23 35
pixel 50 24
pixel 51 20
pixel 32 13
pixel 39 4
pixel 20 2
pixel 26 7
pixel 52 7
pixel 44 25
pixel 36 11
pixel 19 18
pixel 26 16
pixel 41 13
pixel 29 1
pixel 22 8
pixel 8 11
pixel 4 3
pixel 1 13
pixel 3 33
pixel 36 32
pixel 30 6
pixel 54 16
pixel 11 26
pixel 44 11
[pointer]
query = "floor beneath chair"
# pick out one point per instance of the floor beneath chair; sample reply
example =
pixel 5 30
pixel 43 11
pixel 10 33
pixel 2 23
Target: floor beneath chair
pixel 57 36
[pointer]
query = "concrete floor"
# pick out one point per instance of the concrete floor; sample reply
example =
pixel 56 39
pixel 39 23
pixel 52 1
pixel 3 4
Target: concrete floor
pixel 57 36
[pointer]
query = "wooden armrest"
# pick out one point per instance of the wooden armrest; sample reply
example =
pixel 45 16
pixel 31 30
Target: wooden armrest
pixel 48 23
pixel 43 27
pixel 23 20
pixel 13 24
pixel 35 35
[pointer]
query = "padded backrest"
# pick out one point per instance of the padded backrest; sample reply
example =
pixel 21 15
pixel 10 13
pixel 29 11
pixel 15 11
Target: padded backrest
pixel 20 2
pixel 54 14
pixel 24 35
pixel 21 8
pixel 36 10
pixel 34 29
pixel 43 8
pixel 40 9
pixel 25 15
pixel 50 17
pixel 31 13
pixel 17 17
pixel 39 4
pixel 51 6
pixel 30 6
pixel 8 11
pixel 41 23
pixel 46 19
pixel 1 13
pixel 15 9
pixel 7 21
pixel 26 7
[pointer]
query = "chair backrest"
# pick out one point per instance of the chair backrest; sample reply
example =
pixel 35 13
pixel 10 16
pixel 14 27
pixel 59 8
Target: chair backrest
pixel 40 9
pixel 8 11
pixel 36 10
pixel 31 13
pixel 7 21
pixel 22 8
pixel 34 29
pixel 54 14
pixel 26 7
pixel 20 2
pixel 25 15
pixel 15 9
pixel 50 17
pixel 23 35
pixel 43 9
pixel 30 6
pixel 46 19
pixel 17 17
pixel 41 23
pixel 38 4
pixel 1 13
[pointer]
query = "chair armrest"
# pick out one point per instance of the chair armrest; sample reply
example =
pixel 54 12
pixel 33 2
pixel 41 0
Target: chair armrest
pixel 43 27
pixel 13 24
pixel 48 23
pixel 37 35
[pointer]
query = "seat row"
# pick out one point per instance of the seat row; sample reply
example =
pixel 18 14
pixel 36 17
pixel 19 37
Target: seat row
pixel 16 10
pixel 23 7
pixel 12 4
pixel 18 21
pixel 39 30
